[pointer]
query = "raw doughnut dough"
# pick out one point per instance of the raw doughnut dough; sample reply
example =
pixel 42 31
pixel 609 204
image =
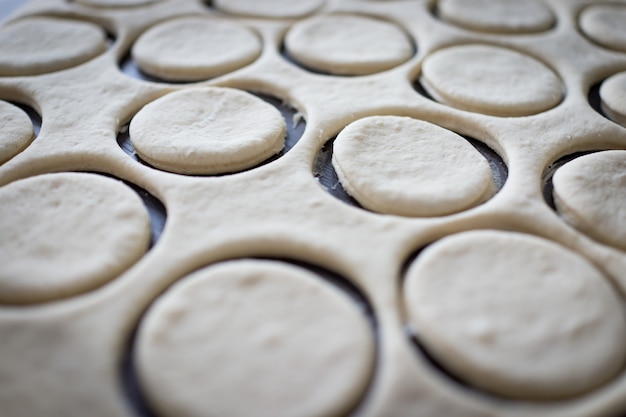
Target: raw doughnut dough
pixel 590 194
pixel 348 45
pixel 254 338
pixel 195 48
pixel 613 96
pixel 501 16
pixel 269 8
pixel 398 165
pixel 490 80
pixel 606 25
pixel 516 315
pixel 16 131
pixel 63 234
pixel 208 130
pixel 36 45
pixel 116 3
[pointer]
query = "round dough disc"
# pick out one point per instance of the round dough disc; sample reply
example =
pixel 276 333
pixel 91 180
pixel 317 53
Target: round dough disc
pixel 398 165
pixel 254 338
pixel 516 315
pixel 590 194
pixel 195 48
pixel 36 45
pixel 613 96
pixel 269 8
pixel 16 131
pixel 605 24
pixel 348 45
pixel 207 130
pixel 490 80
pixel 499 16
pixel 63 234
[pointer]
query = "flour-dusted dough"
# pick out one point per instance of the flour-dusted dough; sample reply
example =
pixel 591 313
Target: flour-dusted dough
pixel 116 3
pixel 36 45
pixel 207 130
pixel 269 8
pixel 590 194
pixel 490 80
pixel 516 315
pixel 605 24
pixel 63 234
pixel 16 131
pixel 613 96
pixel 254 338
pixel 348 44
pixel 500 16
pixel 195 48
pixel 398 165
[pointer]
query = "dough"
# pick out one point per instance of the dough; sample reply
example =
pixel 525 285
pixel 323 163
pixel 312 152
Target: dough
pixel 254 338
pixel 500 16
pixel 605 24
pixel 348 44
pixel 207 130
pixel 269 8
pixel 590 194
pixel 516 315
pixel 36 45
pixel 613 96
pixel 63 234
pixel 16 131
pixel 490 80
pixel 116 3
pixel 195 48
pixel 398 165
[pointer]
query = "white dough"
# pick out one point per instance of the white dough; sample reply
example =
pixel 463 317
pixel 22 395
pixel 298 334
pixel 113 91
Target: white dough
pixel 63 234
pixel 348 44
pixel 490 80
pixel 36 45
pixel 207 130
pixel 269 8
pixel 16 131
pixel 398 165
pixel 117 3
pixel 590 194
pixel 516 315
pixel 500 16
pixel 613 96
pixel 254 338
pixel 605 24
pixel 195 48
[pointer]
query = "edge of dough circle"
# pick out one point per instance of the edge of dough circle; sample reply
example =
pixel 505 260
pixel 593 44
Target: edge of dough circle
pixel 254 338
pixel 17 130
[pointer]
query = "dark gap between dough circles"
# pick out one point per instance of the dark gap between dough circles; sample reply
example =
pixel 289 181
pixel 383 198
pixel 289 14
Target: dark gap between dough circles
pixel 35 117
pixel 548 174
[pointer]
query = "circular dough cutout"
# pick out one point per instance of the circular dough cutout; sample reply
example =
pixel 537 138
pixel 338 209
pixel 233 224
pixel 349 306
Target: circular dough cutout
pixel 516 315
pixel 16 131
pixel 347 44
pixel 254 338
pixel 195 48
pixel 64 234
pixel 207 130
pixel 613 96
pixel 398 165
pixel 498 16
pixel 605 24
pixel 37 45
pixel 590 194
pixel 269 8
pixel 490 80
pixel 116 3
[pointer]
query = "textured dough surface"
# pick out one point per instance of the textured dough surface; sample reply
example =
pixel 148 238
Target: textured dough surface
pixel 16 130
pixel 408 167
pixel 613 96
pixel 490 80
pixel 62 234
pixel 269 8
pixel 516 315
pixel 590 193
pixel 195 48
pixel 254 338
pixel 207 130
pixel 606 25
pixel 348 45
pixel 36 45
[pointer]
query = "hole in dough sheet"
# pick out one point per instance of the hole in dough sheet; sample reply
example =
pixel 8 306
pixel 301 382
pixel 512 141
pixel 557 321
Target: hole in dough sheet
pixel 546 177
